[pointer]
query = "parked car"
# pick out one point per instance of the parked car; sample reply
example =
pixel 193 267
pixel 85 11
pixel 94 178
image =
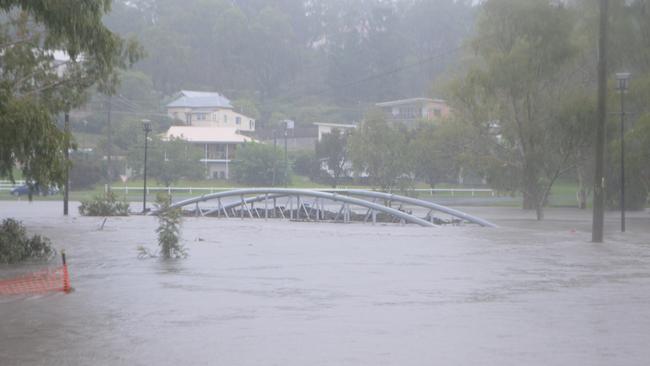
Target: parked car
pixel 24 190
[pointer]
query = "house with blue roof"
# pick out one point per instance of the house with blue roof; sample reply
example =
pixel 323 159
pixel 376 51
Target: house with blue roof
pixel 207 109
pixel 208 120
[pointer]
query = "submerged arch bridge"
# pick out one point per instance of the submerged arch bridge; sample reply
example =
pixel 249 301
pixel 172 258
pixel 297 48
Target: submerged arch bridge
pixel 338 205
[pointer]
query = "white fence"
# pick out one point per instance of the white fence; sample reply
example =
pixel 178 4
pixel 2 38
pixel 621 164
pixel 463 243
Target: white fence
pixel 7 185
pixel 453 191
pixel 206 190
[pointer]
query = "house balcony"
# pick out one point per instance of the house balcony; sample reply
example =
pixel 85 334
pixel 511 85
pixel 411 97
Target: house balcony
pixel 223 161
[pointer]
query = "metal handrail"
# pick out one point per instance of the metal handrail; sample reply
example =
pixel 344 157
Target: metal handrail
pixel 305 192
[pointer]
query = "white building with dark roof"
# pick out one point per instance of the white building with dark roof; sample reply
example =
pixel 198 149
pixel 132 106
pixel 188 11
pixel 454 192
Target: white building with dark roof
pixel 409 111
pixel 207 109
pixel 325 128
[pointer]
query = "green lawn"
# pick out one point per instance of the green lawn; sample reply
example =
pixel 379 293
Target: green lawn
pixel 563 193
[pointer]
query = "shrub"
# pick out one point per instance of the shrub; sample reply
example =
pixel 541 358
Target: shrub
pixel 305 163
pixel 104 205
pixel 259 164
pixel 85 173
pixel 16 246
pixel 169 220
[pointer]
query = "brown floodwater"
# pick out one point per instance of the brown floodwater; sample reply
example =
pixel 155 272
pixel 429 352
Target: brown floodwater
pixel 255 292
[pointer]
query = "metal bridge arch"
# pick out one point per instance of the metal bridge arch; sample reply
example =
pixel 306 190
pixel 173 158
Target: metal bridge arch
pixel 343 196
pixel 417 202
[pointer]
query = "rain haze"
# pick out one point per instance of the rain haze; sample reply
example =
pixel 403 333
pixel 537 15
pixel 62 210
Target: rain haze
pixel 324 182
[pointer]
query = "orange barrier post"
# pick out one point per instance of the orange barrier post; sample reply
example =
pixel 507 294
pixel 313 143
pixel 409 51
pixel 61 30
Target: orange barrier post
pixel 66 275
pixel 57 279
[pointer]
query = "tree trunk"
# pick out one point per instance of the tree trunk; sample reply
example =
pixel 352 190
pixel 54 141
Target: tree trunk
pixel 528 202
pixel 582 189
pixel 531 189
pixel 539 210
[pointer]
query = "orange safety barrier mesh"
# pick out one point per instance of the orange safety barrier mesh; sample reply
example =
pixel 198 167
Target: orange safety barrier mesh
pixel 55 279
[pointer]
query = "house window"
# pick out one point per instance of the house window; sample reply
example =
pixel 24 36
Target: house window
pixel 225 118
pixel 437 112
pixel 216 151
pixel 238 120
pixel 251 125
pixel 408 113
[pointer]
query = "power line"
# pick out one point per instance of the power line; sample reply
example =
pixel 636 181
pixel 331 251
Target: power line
pixel 157 114
pixel 126 109
pixel 388 72
pixel 130 102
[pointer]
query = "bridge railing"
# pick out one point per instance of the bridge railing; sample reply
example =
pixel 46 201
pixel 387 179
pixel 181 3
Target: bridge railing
pixel 357 197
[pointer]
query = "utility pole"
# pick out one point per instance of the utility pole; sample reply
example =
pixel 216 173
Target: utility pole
pixel 146 126
pixel 622 162
pixel 286 157
pixel 599 178
pixel 109 143
pixel 622 78
pixel 288 125
pixel 66 152
pixel 275 149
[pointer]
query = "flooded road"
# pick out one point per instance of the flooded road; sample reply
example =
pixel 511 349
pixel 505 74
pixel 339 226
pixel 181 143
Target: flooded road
pixel 255 292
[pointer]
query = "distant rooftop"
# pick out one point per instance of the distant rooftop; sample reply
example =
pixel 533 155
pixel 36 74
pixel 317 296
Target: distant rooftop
pixel 207 134
pixel 335 125
pixel 198 99
pixel 393 103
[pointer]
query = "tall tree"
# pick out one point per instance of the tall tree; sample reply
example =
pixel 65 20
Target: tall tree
pixel 437 151
pixel 35 86
pixel 380 151
pixel 176 159
pixel 261 165
pixel 333 149
pixel 524 59
pixel 168 161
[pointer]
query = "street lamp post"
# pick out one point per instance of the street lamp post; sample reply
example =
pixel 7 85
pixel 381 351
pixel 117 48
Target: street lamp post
pixel 146 126
pixel 66 188
pixel 622 78
pixel 275 163
pixel 288 125
pixel 286 157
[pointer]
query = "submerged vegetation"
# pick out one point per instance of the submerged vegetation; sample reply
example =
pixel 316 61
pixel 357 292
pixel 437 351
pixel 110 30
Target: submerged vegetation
pixel 104 205
pixel 16 246
pixel 169 228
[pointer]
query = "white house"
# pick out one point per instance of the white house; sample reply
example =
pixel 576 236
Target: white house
pixel 325 128
pixel 409 111
pixel 207 109
pixel 219 145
